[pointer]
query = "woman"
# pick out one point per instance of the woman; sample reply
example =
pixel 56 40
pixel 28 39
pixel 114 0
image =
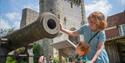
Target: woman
pixel 97 23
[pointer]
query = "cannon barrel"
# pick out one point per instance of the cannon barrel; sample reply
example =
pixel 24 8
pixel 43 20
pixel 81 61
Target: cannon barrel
pixel 46 26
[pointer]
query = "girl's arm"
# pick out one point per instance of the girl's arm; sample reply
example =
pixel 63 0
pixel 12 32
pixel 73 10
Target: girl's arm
pixel 99 49
pixel 71 33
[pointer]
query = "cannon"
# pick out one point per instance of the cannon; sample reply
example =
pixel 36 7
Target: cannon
pixel 46 26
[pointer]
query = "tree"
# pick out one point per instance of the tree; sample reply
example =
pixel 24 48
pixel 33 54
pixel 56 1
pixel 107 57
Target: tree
pixel 37 52
pixel 4 32
pixel 79 3
pixel 3 46
pixel 76 2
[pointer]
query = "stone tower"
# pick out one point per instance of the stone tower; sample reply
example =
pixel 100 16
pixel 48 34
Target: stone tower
pixel 28 16
pixel 53 6
pixel 69 16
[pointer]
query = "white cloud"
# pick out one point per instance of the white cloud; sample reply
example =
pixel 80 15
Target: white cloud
pixel 13 15
pixel 28 6
pixel 16 25
pixel 98 5
pixel 31 6
pixel 14 18
pixel 4 24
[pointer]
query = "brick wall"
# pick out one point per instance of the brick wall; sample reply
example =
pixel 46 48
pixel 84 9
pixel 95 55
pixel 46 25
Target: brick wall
pixel 112 33
pixel 115 21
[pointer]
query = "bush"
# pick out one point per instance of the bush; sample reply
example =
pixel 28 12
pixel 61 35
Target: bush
pixel 36 52
pixel 56 60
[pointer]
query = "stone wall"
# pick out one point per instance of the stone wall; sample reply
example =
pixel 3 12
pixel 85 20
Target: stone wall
pixel 70 17
pixel 28 16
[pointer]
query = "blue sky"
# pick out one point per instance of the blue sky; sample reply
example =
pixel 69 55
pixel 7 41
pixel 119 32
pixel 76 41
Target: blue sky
pixel 11 10
pixel 108 7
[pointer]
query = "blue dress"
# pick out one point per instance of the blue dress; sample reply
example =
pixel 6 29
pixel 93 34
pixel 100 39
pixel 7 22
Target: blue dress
pixel 84 59
pixel 100 37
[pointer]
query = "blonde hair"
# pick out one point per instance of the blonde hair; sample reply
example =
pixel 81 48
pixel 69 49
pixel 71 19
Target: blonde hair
pixel 101 23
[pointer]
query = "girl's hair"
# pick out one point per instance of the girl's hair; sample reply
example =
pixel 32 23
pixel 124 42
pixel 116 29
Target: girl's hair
pixel 100 20
pixel 83 46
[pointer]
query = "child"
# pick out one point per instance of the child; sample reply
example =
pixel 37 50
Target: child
pixel 95 27
pixel 42 59
pixel 82 49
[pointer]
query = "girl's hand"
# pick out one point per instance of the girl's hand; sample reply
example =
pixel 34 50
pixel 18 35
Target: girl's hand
pixel 61 27
pixel 92 61
pixel 71 33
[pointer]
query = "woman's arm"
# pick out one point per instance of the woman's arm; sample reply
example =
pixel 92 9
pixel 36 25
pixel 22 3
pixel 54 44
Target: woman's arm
pixel 71 33
pixel 99 49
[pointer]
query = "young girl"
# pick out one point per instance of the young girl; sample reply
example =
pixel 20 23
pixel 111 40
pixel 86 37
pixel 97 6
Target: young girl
pixel 97 23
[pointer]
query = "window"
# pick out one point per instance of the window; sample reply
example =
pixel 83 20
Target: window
pixel 123 27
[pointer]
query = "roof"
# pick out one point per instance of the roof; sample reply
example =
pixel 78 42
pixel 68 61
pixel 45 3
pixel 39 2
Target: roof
pixel 120 39
pixel 65 47
pixel 116 19
pixel 63 44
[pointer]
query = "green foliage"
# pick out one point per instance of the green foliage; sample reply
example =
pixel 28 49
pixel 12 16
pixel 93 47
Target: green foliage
pixel 56 60
pixel 20 50
pixel 4 32
pixel 37 52
pixel 23 61
pixel 76 2
pixel 11 59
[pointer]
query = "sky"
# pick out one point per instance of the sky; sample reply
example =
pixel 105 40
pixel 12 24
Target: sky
pixel 11 10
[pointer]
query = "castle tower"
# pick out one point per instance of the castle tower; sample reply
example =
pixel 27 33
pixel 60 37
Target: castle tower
pixel 69 15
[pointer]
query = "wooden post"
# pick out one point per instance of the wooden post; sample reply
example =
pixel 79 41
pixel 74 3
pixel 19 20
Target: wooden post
pixel 60 56
pixel 30 52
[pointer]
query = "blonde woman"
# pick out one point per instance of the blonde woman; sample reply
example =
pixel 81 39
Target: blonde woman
pixel 96 26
